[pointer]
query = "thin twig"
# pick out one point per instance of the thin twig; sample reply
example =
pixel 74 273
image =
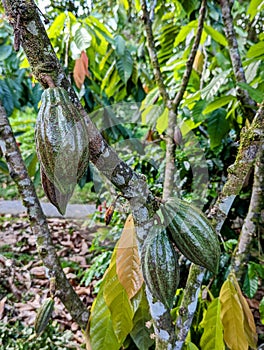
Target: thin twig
pixel 153 53
pixel 248 105
pixel 189 63
pixel 39 225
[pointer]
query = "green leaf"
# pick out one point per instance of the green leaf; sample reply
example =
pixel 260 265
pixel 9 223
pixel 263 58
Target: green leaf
pixel 31 163
pixel 120 45
pixel 4 167
pixel 125 66
pixel 254 7
pixel 213 87
pixel 162 121
pixel 190 346
pixel 261 310
pixel 189 5
pixel 140 332
pixel 212 337
pixel 255 94
pixel 82 39
pixel 215 35
pixel 185 31
pixel 232 317
pixel 5 51
pixel 218 127
pixel 256 50
pixel 250 285
pixel 102 335
pixel 118 302
pixel 217 103
pixel 57 26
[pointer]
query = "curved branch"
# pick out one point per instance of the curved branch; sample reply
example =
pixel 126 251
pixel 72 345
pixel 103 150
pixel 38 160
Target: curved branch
pixel 248 105
pixel 252 225
pixel 39 225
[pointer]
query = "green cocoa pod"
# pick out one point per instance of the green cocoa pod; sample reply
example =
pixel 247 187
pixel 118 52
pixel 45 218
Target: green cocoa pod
pixel 58 199
pixel 160 266
pixel 43 316
pixel 192 233
pixel 61 140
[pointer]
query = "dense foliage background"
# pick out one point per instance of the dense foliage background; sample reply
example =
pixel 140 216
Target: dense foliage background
pixel 102 47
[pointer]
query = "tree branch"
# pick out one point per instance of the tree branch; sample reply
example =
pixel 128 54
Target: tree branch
pixel 248 105
pixel 252 225
pixel 189 63
pixel 188 304
pixel 239 172
pixel 39 225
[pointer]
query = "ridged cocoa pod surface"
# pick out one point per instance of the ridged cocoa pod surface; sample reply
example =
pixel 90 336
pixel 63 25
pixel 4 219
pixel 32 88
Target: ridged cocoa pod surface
pixel 58 199
pixel 160 265
pixel 61 140
pixel 192 233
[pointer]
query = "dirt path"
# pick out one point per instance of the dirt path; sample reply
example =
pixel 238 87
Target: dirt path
pixel 74 211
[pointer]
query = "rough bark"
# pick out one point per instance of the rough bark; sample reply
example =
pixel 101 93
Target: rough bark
pixel 252 224
pixel 39 224
pixel 239 172
pixel 248 105
pixel 188 304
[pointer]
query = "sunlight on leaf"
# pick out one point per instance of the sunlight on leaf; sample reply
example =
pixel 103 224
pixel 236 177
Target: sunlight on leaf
pixel 212 337
pixel 128 266
pixel 232 317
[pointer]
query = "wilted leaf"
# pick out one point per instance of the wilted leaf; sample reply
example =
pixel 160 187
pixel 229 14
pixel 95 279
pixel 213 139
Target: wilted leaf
pixel 249 323
pixel 232 318
pixel 128 266
pixel 212 337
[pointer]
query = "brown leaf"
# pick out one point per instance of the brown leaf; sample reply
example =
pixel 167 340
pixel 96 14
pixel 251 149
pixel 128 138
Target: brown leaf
pixel 128 266
pixel 80 70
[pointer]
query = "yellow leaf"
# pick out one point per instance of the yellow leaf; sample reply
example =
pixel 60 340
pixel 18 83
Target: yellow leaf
pixel 198 62
pixel 232 318
pixel 249 324
pixel 128 266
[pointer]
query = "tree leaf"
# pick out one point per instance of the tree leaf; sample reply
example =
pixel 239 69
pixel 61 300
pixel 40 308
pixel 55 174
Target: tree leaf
pixel 232 317
pixel 128 266
pixel 141 334
pixel 102 335
pixel 57 26
pixel 250 285
pixel 184 32
pixel 261 310
pixel 124 66
pixel 212 337
pixel 118 302
pixel 255 94
pixel 249 323
pixel 254 7
pixel 82 39
pixel 80 70
pixel 218 103
pixel 256 50
pixel 218 127
pixel 215 35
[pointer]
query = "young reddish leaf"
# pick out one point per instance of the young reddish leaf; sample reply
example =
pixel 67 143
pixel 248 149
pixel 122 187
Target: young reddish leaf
pixel 232 317
pixel 128 266
pixel 80 70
